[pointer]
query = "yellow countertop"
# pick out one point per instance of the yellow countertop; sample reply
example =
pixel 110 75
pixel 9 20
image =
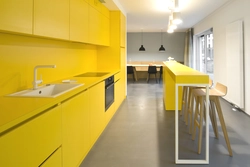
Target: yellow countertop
pixel 184 74
pixel 15 110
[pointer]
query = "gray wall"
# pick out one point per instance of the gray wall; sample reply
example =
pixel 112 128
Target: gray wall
pixel 173 43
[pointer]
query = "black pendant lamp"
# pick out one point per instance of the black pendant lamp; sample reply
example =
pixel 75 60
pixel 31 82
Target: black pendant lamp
pixel 142 48
pixel 161 49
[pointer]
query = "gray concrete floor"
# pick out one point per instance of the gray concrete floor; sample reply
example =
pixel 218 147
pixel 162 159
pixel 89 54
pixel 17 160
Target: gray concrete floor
pixel 141 134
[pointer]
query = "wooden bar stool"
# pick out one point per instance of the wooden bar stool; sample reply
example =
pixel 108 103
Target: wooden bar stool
pixel 187 102
pixel 214 94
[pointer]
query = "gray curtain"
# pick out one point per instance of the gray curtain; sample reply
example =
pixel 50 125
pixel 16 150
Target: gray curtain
pixel 188 46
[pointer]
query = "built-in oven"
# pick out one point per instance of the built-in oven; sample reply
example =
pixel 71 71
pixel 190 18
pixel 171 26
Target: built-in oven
pixel 109 92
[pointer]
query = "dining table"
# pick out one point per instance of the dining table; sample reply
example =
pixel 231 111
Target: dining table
pixel 143 67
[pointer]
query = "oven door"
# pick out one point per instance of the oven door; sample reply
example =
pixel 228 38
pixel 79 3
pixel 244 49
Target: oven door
pixel 109 95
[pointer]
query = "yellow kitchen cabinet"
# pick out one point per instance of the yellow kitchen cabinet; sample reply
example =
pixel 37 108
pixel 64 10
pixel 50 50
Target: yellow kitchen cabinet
pixel 76 129
pixel 51 18
pixel 16 16
pixel 105 11
pixel 55 160
pixel 123 30
pixel 95 18
pixel 109 114
pixel 118 97
pixel 79 16
pixel 96 4
pixel 97 109
pixel 123 74
pixel 33 141
pixel 104 31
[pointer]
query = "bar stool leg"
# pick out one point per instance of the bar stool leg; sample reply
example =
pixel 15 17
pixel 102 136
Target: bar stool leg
pixel 184 94
pixel 213 118
pixel 223 125
pixel 201 101
pixel 186 104
pixel 191 102
pixel 199 110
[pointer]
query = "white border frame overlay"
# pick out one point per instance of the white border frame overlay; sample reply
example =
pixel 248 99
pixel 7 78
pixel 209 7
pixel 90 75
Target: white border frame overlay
pixel 191 161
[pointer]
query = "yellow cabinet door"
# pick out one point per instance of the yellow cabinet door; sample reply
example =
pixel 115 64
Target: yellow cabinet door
pixel 94 26
pixel 123 30
pixel 117 94
pixel 109 114
pixel 79 16
pixel 104 31
pixel 97 109
pixel 76 129
pixel 96 4
pixel 55 160
pixel 16 16
pixel 51 18
pixel 32 142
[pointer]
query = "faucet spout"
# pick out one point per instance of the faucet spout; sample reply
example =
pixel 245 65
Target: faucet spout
pixel 35 81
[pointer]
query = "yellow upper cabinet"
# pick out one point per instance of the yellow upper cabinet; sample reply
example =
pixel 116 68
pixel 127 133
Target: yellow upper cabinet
pixel 105 11
pixel 16 15
pixel 51 18
pixel 104 30
pixel 95 18
pixel 123 30
pixel 79 20
pixel 96 4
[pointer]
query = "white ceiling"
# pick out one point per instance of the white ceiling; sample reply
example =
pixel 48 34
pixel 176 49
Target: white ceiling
pixel 152 15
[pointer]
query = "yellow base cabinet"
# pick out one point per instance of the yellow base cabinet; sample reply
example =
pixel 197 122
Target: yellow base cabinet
pixel 16 16
pixel 76 129
pixel 31 143
pixel 97 109
pixel 118 91
pixel 51 18
pixel 109 114
pixel 55 160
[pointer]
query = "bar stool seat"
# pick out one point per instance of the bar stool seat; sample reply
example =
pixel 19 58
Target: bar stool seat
pixel 214 105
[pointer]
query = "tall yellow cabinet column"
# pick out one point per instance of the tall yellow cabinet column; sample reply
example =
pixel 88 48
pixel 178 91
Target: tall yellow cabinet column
pixel 114 56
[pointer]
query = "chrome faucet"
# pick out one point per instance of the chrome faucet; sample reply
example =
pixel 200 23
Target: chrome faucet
pixel 36 82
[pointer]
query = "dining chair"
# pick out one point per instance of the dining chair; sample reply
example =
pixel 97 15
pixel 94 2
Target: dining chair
pixel 152 70
pixel 130 70
pixel 161 70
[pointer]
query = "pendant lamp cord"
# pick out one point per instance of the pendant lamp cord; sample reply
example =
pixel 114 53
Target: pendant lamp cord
pixel 161 36
pixel 142 37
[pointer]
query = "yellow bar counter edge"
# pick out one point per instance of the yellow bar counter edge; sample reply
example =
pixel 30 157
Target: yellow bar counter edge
pixel 176 73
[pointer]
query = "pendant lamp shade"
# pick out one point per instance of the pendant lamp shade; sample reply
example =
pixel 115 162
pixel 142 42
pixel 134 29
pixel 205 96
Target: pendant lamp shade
pixel 177 17
pixel 161 49
pixel 142 47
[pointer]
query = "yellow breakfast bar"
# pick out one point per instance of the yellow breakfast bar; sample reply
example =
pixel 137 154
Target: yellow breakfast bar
pixel 175 76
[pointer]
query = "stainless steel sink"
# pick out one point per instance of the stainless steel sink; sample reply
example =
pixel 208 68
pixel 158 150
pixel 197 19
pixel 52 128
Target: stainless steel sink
pixel 52 90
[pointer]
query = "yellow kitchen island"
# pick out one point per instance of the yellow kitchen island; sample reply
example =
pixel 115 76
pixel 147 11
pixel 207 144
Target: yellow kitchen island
pixel 175 76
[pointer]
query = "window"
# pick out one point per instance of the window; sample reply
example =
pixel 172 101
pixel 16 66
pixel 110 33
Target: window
pixel 204 56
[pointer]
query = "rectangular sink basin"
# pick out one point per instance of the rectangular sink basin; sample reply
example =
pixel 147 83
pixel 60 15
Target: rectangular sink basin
pixel 52 90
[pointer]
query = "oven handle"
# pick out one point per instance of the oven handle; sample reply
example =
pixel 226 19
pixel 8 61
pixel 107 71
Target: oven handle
pixel 109 86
